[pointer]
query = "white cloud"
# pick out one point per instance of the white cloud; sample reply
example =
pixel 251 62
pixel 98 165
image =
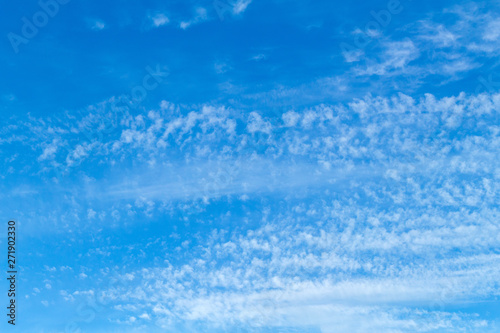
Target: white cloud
pixel 49 151
pixel 91 214
pixel 259 57
pixel 145 316
pixel 438 35
pixel 258 124
pixel 96 24
pixel 290 118
pixel 396 57
pixel 160 20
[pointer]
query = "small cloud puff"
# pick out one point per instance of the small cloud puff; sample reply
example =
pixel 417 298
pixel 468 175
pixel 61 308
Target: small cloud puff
pixel 96 24
pixel 160 20
pixel 259 57
pixel 145 316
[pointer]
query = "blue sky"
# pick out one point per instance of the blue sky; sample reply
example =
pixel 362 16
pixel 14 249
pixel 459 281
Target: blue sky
pixel 252 166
